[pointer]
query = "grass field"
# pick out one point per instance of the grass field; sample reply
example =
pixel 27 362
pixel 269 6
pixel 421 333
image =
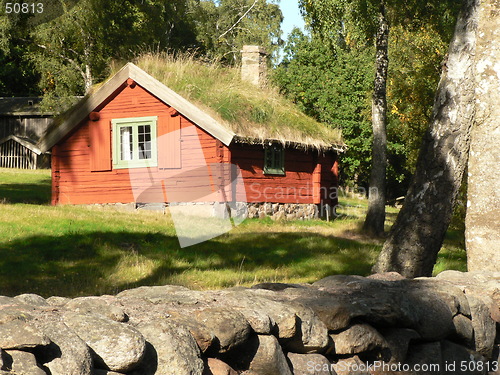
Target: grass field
pixel 79 250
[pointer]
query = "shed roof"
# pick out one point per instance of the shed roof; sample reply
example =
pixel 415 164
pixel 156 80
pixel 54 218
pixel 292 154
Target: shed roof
pixel 21 106
pixel 308 133
pixel 26 142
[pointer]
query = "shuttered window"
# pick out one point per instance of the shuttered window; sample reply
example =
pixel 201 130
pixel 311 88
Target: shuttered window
pixel 274 159
pixel 135 142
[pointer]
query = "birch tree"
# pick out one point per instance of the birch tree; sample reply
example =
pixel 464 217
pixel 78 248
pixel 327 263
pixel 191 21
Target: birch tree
pixel 347 20
pixel 417 235
pixel 483 211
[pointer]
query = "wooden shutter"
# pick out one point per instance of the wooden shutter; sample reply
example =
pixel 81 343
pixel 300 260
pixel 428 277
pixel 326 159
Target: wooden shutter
pixel 169 142
pixel 316 183
pixel 100 145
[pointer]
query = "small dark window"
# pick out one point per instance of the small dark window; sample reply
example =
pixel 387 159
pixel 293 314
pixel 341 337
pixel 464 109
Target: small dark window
pixel 274 159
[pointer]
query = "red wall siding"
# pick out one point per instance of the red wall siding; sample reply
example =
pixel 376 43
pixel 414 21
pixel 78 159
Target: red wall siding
pixel 75 183
pixel 298 185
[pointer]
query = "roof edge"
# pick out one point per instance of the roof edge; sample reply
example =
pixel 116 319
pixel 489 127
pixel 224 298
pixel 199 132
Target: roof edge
pixel 340 147
pixel 25 142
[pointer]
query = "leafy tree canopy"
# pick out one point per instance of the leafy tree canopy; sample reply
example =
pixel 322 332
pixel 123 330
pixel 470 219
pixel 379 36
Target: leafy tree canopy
pixel 224 26
pixel 74 51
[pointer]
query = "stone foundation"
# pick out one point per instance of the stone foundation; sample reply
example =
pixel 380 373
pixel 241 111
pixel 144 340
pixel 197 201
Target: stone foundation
pixel 283 211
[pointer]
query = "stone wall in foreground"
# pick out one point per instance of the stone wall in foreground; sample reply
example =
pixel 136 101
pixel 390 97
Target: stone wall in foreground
pixel 383 324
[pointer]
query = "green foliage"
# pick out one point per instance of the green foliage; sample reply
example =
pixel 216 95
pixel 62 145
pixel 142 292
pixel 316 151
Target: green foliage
pixel 221 31
pixel 17 74
pixel 417 56
pixel 419 35
pixel 333 86
pixel 74 50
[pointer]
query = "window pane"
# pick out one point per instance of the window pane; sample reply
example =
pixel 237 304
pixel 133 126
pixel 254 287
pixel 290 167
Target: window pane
pixel 144 142
pixel 126 147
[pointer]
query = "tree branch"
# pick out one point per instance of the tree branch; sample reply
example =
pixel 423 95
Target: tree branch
pixel 239 20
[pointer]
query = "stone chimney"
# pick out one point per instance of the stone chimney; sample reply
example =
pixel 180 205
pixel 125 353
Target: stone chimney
pixel 254 65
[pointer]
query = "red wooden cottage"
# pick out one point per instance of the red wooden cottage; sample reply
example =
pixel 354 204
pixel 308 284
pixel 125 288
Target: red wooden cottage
pixel 134 140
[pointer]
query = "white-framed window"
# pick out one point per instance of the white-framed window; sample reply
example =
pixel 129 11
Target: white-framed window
pixel 134 142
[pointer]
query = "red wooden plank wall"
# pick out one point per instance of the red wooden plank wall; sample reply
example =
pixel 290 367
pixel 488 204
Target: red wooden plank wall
pixel 75 183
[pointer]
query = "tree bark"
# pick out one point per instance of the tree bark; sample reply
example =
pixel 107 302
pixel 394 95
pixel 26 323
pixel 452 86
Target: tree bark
pixel 483 207
pixel 375 217
pixel 417 235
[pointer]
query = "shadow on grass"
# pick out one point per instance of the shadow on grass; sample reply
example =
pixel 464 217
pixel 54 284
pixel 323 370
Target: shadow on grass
pixel 38 193
pixel 80 264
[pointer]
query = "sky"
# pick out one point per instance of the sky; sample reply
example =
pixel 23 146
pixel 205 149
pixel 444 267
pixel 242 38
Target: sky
pixel 292 17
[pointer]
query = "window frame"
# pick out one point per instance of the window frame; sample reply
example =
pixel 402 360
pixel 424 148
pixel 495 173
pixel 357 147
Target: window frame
pixel 274 159
pixel 134 122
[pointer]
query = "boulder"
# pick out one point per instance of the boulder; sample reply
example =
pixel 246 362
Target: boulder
pixel 461 361
pixel 9 313
pixel 310 364
pixel 171 350
pixel 106 372
pixel 398 340
pixel 264 312
pixel 269 358
pixel 98 305
pixel 387 276
pixel 57 301
pixel 425 356
pixel 116 346
pixel 31 299
pixel 484 326
pixel 251 307
pixel 350 366
pixel 463 329
pixel 341 298
pixel 229 326
pixel 203 336
pixel 163 294
pixel 451 294
pixel 17 334
pixel 68 353
pixel 431 315
pixel 215 366
pixel 23 363
pixel 7 300
pixel 312 334
pixel 357 339
pixel 407 303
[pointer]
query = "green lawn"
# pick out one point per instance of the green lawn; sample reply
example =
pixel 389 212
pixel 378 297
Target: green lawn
pixel 78 250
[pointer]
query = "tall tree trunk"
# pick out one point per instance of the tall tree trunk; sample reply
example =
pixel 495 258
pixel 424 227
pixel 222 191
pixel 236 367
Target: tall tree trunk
pixel 417 236
pixel 483 211
pixel 375 217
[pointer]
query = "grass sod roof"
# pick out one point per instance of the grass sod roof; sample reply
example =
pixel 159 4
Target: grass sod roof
pixel 215 98
pixel 255 115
